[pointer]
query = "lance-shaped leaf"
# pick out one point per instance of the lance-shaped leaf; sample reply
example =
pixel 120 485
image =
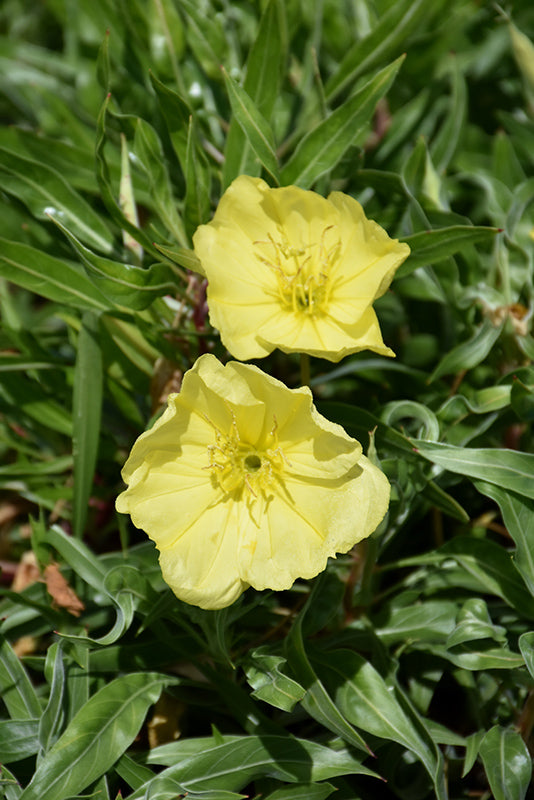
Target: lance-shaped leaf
pixel 231 762
pixel 16 689
pixel 126 284
pixel 55 279
pixel 323 147
pixel 96 737
pixel 254 125
pixel 86 412
pixel 387 38
pixel 429 247
pixel 317 701
pixel 518 516
pixel 367 702
pixel 470 353
pixel 507 468
pixel 47 194
pixel 264 70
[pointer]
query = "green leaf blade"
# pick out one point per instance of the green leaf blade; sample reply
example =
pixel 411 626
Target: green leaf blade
pixel 321 149
pixel 97 736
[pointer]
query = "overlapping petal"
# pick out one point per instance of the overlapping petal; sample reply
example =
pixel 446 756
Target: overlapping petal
pixel 289 269
pixel 242 482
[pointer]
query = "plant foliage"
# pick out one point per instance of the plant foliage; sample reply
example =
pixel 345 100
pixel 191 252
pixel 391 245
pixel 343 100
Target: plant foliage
pixel 405 670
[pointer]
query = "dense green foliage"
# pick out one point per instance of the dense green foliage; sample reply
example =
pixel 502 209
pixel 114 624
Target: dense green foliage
pixel 406 670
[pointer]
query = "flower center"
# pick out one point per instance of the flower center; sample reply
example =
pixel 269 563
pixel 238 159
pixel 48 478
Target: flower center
pixel 237 465
pixel 303 273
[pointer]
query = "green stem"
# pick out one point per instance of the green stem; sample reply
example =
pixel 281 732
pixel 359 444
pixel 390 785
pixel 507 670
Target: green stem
pixel 304 369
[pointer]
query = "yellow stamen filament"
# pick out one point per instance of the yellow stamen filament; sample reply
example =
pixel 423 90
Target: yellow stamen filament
pixel 237 465
pixel 303 274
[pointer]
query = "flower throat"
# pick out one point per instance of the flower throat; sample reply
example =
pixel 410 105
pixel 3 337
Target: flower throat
pixel 239 466
pixel 304 282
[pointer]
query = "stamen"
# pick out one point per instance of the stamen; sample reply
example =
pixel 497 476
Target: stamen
pixel 303 273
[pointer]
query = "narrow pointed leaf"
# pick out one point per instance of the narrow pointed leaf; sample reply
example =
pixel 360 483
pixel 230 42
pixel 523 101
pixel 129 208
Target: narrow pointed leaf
pixel 86 412
pixel 321 149
pixel 16 689
pixel 365 700
pixel 507 468
pixel 203 764
pixel 470 353
pixel 47 194
pixel 18 739
pixel 430 247
pixel 317 702
pixel 197 196
pixel 57 280
pixel 518 516
pixel 262 79
pixel 254 126
pixel 97 736
pixel 386 40
pixel 126 284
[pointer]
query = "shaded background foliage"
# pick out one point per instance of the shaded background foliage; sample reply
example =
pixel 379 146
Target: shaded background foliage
pixel 411 658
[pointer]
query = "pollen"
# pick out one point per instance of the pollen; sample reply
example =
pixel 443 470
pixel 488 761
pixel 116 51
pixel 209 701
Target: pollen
pixel 241 467
pixel 304 274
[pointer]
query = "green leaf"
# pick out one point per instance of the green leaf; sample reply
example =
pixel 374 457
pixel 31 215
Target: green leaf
pixel 32 400
pixel 518 516
pixel 321 149
pixel 104 182
pixel 265 675
pixel 86 413
pixel 177 114
pixel 126 284
pixel 305 791
pixel 509 469
pixel 55 279
pixel 18 739
pixel 254 126
pixel 526 645
pixel 9 785
pixel 366 701
pixel 430 247
pixel 386 39
pixel 97 736
pixel 465 658
pixel 53 716
pixel 203 764
pixel 470 353
pixel 425 621
pixel 47 194
pixel 133 773
pixel 493 567
pixel 264 69
pixel 449 132
pixel 15 687
pixel 79 557
pixel 507 763
pixel 317 702
pixel 474 622
pixel 149 156
pixel 197 207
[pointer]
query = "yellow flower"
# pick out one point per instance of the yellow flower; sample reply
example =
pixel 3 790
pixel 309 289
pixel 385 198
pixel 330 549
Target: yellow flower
pixel 292 270
pixel 241 482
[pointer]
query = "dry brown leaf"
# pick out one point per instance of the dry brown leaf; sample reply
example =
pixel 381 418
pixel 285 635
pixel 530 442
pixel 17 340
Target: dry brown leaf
pixel 62 594
pixel 26 573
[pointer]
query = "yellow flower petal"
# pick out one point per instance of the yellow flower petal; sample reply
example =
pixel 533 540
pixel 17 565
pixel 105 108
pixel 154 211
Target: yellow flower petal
pixel 242 482
pixel 292 270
